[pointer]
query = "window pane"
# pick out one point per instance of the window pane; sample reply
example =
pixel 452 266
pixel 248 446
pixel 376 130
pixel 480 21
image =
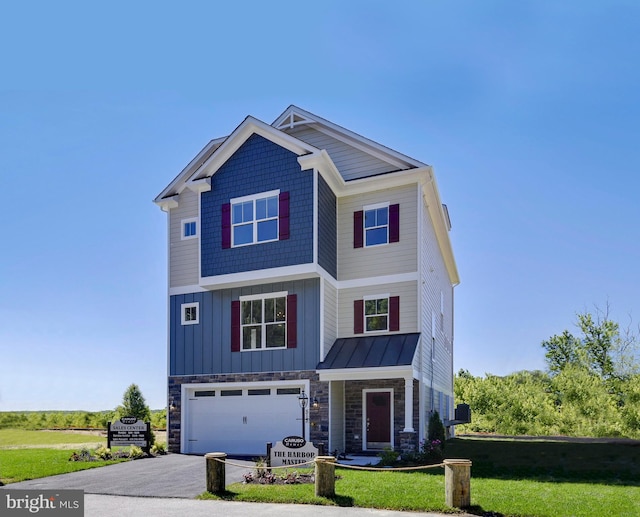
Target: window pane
pixel 382 216
pixel 246 313
pixel 369 218
pixel 370 306
pixel 268 230
pixel 243 234
pixel 275 335
pixel 383 306
pixel 256 311
pixel 269 310
pixel 251 338
pixel 237 213
pixel 281 311
pixel 247 211
pixel 272 206
pixel 261 208
pixel 376 323
pixel 377 236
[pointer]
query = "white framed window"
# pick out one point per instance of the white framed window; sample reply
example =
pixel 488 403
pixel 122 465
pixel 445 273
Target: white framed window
pixel 190 313
pixel 189 228
pixel 376 313
pixel 254 218
pixel 376 224
pixel 263 321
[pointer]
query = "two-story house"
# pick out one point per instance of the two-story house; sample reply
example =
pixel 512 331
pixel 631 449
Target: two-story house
pixel 306 260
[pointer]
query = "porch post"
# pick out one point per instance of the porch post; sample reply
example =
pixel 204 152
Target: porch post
pixel 408 405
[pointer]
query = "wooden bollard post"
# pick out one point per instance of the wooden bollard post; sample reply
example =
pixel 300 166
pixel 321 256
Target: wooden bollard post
pixel 325 476
pixel 215 472
pixel 457 483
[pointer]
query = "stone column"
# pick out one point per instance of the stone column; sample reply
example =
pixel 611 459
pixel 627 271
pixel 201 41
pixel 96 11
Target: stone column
pixel 457 483
pixel 216 481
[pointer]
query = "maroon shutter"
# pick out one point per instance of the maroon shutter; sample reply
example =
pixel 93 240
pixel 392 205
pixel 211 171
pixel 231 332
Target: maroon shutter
pixel 235 326
pixel 226 225
pixel 394 313
pixel 358 316
pixel 358 229
pixel 394 223
pixel 292 321
pixel 283 216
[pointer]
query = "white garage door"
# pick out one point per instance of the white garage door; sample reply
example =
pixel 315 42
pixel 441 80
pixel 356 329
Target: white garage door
pixel 240 420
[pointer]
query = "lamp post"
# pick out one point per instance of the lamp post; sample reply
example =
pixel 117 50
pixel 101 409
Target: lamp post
pixel 303 399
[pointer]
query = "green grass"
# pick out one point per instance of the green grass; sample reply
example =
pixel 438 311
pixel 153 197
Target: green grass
pixel 22 464
pixel 509 477
pixel 22 438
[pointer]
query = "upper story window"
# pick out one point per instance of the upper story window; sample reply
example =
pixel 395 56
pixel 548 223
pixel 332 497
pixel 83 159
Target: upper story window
pixel 254 219
pixel 379 313
pixel 376 225
pixel 190 313
pixel 264 321
pixel 189 228
pixel 376 314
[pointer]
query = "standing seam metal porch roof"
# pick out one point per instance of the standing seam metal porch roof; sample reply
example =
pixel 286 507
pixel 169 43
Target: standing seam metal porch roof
pixel 371 352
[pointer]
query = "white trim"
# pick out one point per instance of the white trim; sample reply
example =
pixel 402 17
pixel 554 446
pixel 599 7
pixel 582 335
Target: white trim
pixel 248 297
pixel 186 289
pixel 364 415
pixel 254 197
pixel 357 374
pixel 190 305
pixel 184 222
pixel 375 206
pixel 262 346
pixel 322 322
pixel 377 280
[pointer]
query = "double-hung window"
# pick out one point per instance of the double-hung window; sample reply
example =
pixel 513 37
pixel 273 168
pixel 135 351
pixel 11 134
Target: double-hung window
pixel 254 218
pixel 264 321
pixel 376 314
pixel 376 225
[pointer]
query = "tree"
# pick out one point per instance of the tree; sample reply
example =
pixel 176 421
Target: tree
pixel 602 349
pixel 133 404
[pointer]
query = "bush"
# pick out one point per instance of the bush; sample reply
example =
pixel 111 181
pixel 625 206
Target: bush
pixel 135 452
pixel 159 448
pixel 436 430
pixel 103 453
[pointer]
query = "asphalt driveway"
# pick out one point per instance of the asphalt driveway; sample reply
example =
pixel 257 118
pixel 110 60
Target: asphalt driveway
pixel 173 475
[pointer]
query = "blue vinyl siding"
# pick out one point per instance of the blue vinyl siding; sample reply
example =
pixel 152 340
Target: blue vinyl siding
pixel 257 166
pixel 206 348
pixel 327 228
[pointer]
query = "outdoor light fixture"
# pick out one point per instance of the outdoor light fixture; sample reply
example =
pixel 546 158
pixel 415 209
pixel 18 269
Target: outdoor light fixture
pixel 303 399
pixel 315 404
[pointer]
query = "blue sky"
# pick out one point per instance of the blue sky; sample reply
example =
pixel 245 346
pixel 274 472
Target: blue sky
pixel 529 112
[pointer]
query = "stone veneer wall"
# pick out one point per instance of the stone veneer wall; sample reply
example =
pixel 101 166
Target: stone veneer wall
pixel 318 417
pixel 404 442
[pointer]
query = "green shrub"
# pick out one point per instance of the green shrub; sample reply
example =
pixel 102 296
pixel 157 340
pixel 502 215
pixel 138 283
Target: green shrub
pixel 135 452
pixel 436 429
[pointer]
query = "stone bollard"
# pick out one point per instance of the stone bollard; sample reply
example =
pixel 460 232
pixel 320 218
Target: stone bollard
pixel 325 476
pixel 457 483
pixel 215 472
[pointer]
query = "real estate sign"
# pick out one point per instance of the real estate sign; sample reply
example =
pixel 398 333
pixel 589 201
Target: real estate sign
pixel 292 450
pixel 128 431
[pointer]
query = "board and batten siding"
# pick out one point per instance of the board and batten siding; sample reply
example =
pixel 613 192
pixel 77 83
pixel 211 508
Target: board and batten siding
pixel 205 348
pixel 435 280
pixel 350 161
pixel 183 254
pixel 387 259
pixel 407 291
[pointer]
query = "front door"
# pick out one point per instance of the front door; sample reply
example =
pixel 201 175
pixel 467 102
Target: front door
pixel 378 420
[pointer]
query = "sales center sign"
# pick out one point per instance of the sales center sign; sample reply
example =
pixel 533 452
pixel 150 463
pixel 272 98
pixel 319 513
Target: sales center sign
pixel 292 450
pixel 128 431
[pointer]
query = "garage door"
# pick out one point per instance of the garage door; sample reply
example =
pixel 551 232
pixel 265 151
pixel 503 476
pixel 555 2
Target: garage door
pixel 239 420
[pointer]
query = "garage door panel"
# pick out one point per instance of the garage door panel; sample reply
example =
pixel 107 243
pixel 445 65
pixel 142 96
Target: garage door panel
pixel 240 424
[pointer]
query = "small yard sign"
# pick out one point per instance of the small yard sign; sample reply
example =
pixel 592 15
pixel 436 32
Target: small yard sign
pixel 128 431
pixel 292 450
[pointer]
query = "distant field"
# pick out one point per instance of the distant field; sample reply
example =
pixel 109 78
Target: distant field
pixel 20 438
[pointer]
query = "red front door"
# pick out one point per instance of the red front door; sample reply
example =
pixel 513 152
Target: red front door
pixel 378 424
